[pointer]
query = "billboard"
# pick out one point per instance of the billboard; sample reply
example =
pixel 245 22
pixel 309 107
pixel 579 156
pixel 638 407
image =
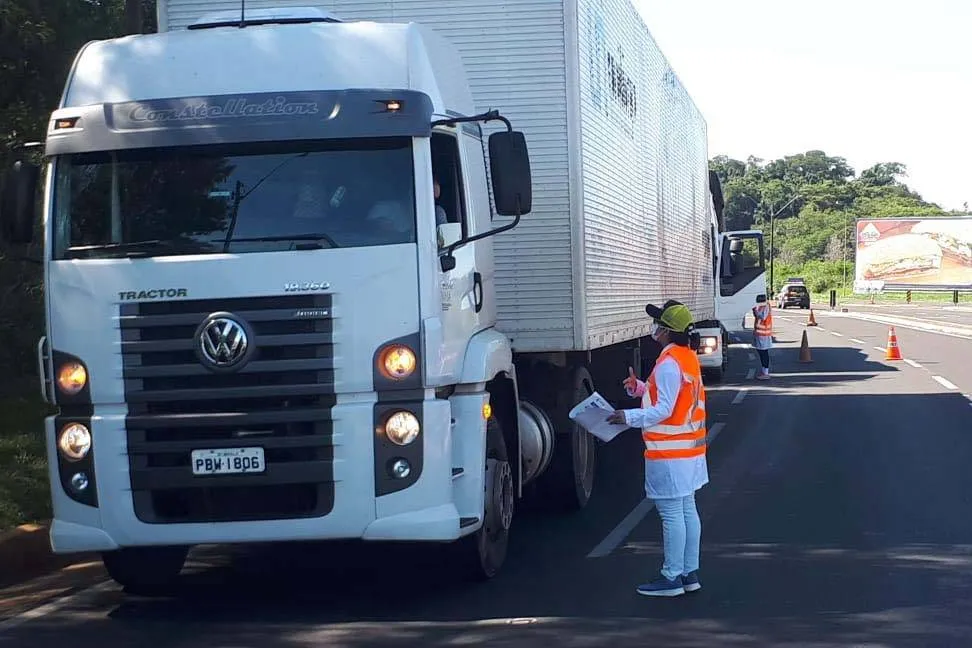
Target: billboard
pixel 906 253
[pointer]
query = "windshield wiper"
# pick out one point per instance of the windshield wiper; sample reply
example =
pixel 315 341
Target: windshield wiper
pixel 133 249
pixel 239 197
pixel 316 238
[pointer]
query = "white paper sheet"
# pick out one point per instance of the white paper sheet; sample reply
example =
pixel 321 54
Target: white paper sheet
pixel 591 414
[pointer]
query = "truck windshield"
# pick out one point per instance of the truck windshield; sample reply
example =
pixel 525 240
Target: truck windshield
pixel 234 198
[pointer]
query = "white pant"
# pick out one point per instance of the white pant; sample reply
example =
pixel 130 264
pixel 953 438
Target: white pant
pixel 681 533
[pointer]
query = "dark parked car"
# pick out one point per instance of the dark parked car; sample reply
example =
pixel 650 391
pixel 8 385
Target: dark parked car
pixel 794 295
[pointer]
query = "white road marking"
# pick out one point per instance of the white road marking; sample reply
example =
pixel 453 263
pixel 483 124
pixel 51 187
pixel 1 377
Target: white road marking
pixel 752 356
pixel 54 606
pixel 856 341
pixel 837 334
pixel 945 383
pixel 881 349
pixel 751 373
pixel 912 363
pixel 822 330
pixel 624 528
pixel 740 396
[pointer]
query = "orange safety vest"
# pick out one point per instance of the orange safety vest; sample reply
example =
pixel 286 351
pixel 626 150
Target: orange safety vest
pixel 682 435
pixel 764 327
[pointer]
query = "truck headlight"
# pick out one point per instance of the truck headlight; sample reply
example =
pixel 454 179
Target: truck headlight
pixel 396 362
pixel 74 441
pixel 708 344
pixel 402 428
pixel 72 377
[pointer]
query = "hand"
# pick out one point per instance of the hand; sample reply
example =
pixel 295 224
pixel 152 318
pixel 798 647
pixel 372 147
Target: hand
pixel 631 382
pixel 616 417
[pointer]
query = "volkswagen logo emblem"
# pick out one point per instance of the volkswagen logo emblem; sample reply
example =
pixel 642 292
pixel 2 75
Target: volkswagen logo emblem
pixel 223 342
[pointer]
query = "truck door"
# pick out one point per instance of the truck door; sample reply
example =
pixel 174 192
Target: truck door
pixel 460 288
pixel 742 274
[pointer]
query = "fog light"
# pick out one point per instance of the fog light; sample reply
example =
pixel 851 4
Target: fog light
pixel 79 482
pixel 402 428
pixel 401 469
pixel 74 442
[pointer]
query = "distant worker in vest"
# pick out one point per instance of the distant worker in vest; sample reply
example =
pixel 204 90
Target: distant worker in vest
pixel 672 420
pixel 763 335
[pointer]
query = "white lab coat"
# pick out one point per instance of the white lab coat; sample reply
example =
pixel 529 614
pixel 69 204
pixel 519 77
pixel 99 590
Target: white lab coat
pixel 666 478
pixel 762 342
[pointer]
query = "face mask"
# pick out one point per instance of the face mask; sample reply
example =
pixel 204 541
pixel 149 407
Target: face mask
pixel 655 331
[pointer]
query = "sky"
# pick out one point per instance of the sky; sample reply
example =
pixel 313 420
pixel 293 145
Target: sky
pixel 868 80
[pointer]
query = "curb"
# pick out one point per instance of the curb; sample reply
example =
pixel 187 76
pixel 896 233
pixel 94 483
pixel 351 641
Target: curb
pixel 25 553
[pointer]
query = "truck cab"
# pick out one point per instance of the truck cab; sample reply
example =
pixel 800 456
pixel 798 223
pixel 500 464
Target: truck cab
pixel 270 296
pixel 739 269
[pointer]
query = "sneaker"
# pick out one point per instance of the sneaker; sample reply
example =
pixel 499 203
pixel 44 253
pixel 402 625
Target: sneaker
pixel 662 587
pixel 691 582
pixel 764 376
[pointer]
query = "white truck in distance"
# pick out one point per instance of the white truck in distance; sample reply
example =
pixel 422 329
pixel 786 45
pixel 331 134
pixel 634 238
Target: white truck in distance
pixel 284 305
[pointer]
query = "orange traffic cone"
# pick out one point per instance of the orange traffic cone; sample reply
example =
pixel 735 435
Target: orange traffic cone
pixel 893 352
pixel 813 320
pixel 805 349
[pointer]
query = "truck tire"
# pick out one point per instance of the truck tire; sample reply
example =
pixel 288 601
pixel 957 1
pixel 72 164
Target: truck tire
pixel 482 554
pixel 568 482
pixel 145 570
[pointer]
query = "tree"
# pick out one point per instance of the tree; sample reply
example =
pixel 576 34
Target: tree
pixel 812 235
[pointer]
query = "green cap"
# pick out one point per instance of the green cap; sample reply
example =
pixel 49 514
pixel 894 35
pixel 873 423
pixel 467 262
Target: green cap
pixel 674 316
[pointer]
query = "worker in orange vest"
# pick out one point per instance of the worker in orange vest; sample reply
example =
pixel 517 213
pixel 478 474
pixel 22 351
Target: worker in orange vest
pixel 672 420
pixel 763 335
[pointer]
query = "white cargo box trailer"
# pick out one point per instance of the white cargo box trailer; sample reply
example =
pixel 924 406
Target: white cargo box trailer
pixel 618 153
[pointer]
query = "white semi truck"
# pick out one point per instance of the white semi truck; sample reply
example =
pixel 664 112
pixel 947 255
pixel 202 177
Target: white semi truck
pixel 289 293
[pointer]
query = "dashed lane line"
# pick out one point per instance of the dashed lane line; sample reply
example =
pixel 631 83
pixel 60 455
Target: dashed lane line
pixel 947 384
pixel 856 341
pixel 912 363
pixel 624 528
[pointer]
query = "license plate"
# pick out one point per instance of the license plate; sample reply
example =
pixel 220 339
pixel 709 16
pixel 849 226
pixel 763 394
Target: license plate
pixel 228 461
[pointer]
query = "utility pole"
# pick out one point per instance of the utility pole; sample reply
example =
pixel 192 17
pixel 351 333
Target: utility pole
pixel 133 16
pixel 772 231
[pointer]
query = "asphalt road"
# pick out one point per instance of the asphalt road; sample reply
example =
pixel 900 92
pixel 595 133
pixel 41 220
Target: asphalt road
pixel 837 515
pixel 945 358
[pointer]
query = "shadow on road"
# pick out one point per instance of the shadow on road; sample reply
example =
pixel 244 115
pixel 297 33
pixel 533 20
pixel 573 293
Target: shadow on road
pixel 834 517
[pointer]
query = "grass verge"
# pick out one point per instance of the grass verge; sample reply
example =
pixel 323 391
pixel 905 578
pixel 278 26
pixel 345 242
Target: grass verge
pixel 24 494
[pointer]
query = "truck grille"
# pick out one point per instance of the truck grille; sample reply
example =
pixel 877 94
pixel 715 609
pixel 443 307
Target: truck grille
pixel 281 401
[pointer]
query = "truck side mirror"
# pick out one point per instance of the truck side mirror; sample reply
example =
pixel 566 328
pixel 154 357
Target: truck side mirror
pixel 509 167
pixel 17 202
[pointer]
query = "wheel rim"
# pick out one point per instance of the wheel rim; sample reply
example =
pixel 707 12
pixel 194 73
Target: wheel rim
pixel 499 512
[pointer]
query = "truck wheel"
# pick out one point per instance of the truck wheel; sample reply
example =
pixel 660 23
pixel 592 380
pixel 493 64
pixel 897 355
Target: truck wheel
pixel 145 570
pixel 481 554
pixel 569 480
